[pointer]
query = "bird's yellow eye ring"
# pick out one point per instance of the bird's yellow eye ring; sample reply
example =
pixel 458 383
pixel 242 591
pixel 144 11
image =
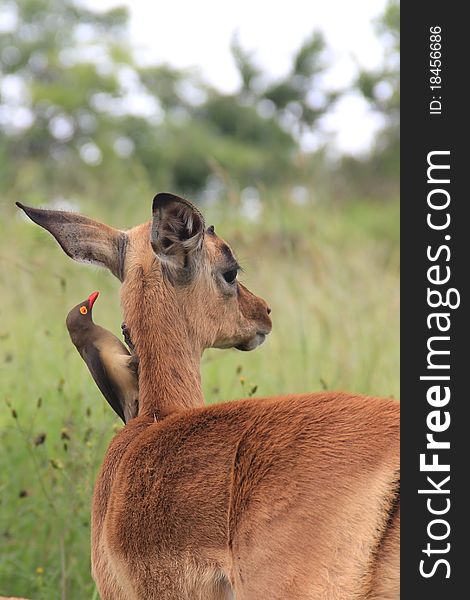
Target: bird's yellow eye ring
pixel 83 310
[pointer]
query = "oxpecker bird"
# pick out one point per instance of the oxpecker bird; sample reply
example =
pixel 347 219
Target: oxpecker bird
pixel 111 365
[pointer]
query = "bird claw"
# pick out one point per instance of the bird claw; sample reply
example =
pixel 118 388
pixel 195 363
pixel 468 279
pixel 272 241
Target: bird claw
pixel 134 366
pixel 127 337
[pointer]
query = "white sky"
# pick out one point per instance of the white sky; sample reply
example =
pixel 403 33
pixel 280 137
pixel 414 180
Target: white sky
pixel 197 33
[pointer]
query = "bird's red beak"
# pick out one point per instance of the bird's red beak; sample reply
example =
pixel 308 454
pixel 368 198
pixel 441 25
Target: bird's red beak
pixel 92 298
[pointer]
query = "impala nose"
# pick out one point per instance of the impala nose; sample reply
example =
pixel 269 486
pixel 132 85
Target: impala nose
pixel 268 310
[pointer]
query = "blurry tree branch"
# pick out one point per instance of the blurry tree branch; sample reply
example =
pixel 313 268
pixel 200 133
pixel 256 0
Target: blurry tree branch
pixel 73 98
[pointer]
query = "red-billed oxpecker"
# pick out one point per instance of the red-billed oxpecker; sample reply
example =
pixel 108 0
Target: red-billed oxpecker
pixel 111 365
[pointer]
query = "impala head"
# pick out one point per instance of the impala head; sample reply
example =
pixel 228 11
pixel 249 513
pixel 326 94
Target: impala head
pixel 185 271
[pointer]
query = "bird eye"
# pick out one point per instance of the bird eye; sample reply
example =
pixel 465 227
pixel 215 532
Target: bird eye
pixel 230 276
pixel 83 310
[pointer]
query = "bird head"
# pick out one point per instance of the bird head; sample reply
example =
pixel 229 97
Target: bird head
pixel 80 317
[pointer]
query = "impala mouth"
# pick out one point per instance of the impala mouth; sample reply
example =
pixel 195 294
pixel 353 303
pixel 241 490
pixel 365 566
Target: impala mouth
pixel 252 343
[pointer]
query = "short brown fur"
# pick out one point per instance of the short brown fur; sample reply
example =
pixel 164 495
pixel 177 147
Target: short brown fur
pixel 291 497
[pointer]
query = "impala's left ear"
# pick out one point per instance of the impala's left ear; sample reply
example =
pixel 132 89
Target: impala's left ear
pixel 83 239
pixel 177 232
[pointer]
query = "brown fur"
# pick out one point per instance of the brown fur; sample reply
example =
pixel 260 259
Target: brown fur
pixel 290 498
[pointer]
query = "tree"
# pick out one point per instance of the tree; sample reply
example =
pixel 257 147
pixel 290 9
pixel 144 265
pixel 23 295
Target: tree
pixel 61 66
pixel 298 99
pixel 381 88
pixel 73 97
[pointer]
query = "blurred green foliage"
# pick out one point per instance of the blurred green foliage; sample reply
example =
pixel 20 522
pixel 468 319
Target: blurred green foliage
pixel 74 104
pixel 381 88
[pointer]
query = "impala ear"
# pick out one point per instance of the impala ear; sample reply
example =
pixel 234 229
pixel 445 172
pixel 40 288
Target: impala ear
pixel 177 232
pixel 82 238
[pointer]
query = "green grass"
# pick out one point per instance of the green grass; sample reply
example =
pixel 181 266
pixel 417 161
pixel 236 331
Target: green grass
pixel 330 275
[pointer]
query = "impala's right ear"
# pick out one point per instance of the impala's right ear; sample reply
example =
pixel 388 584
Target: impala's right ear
pixel 177 232
pixel 82 238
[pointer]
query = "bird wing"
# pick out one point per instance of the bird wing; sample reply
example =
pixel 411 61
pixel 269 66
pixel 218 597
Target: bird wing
pixel 122 370
pixel 91 356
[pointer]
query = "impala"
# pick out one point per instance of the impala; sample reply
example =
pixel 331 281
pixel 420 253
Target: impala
pixel 287 497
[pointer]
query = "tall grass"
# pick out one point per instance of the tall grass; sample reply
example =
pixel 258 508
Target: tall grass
pixel 330 275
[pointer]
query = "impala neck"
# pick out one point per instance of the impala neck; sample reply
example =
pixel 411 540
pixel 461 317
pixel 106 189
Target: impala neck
pixel 169 360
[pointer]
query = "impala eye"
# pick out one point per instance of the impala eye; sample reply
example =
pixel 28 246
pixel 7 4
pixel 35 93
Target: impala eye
pixel 230 276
